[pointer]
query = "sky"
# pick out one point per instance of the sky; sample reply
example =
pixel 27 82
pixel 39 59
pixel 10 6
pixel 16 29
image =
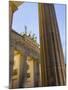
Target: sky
pixel 27 15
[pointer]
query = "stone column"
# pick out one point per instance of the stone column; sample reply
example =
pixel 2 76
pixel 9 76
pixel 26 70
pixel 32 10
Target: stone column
pixel 11 51
pixel 11 47
pixel 23 70
pixel 60 51
pixel 52 61
pixel 30 72
pixel 11 63
pixel 10 16
pixel 36 73
pixel 12 9
pixel 40 82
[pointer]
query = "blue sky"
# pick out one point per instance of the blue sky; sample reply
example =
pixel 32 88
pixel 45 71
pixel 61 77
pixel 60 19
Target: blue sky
pixel 27 15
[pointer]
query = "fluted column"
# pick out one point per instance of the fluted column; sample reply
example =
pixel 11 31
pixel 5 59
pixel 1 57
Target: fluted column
pixel 52 61
pixel 60 51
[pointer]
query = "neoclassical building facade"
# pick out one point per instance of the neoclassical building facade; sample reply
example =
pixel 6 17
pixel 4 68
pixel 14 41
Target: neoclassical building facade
pixel 42 66
pixel 26 61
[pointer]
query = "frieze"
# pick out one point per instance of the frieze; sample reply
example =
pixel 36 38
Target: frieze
pixel 27 51
pixel 24 46
pixel 21 39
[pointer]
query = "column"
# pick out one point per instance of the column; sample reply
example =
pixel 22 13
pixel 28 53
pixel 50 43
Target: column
pixel 10 16
pixel 23 70
pixel 11 63
pixel 12 9
pixel 52 65
pixel 60 51
pixel 36 73
pixel 11 55
pixel 40 82
pixel 30 72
